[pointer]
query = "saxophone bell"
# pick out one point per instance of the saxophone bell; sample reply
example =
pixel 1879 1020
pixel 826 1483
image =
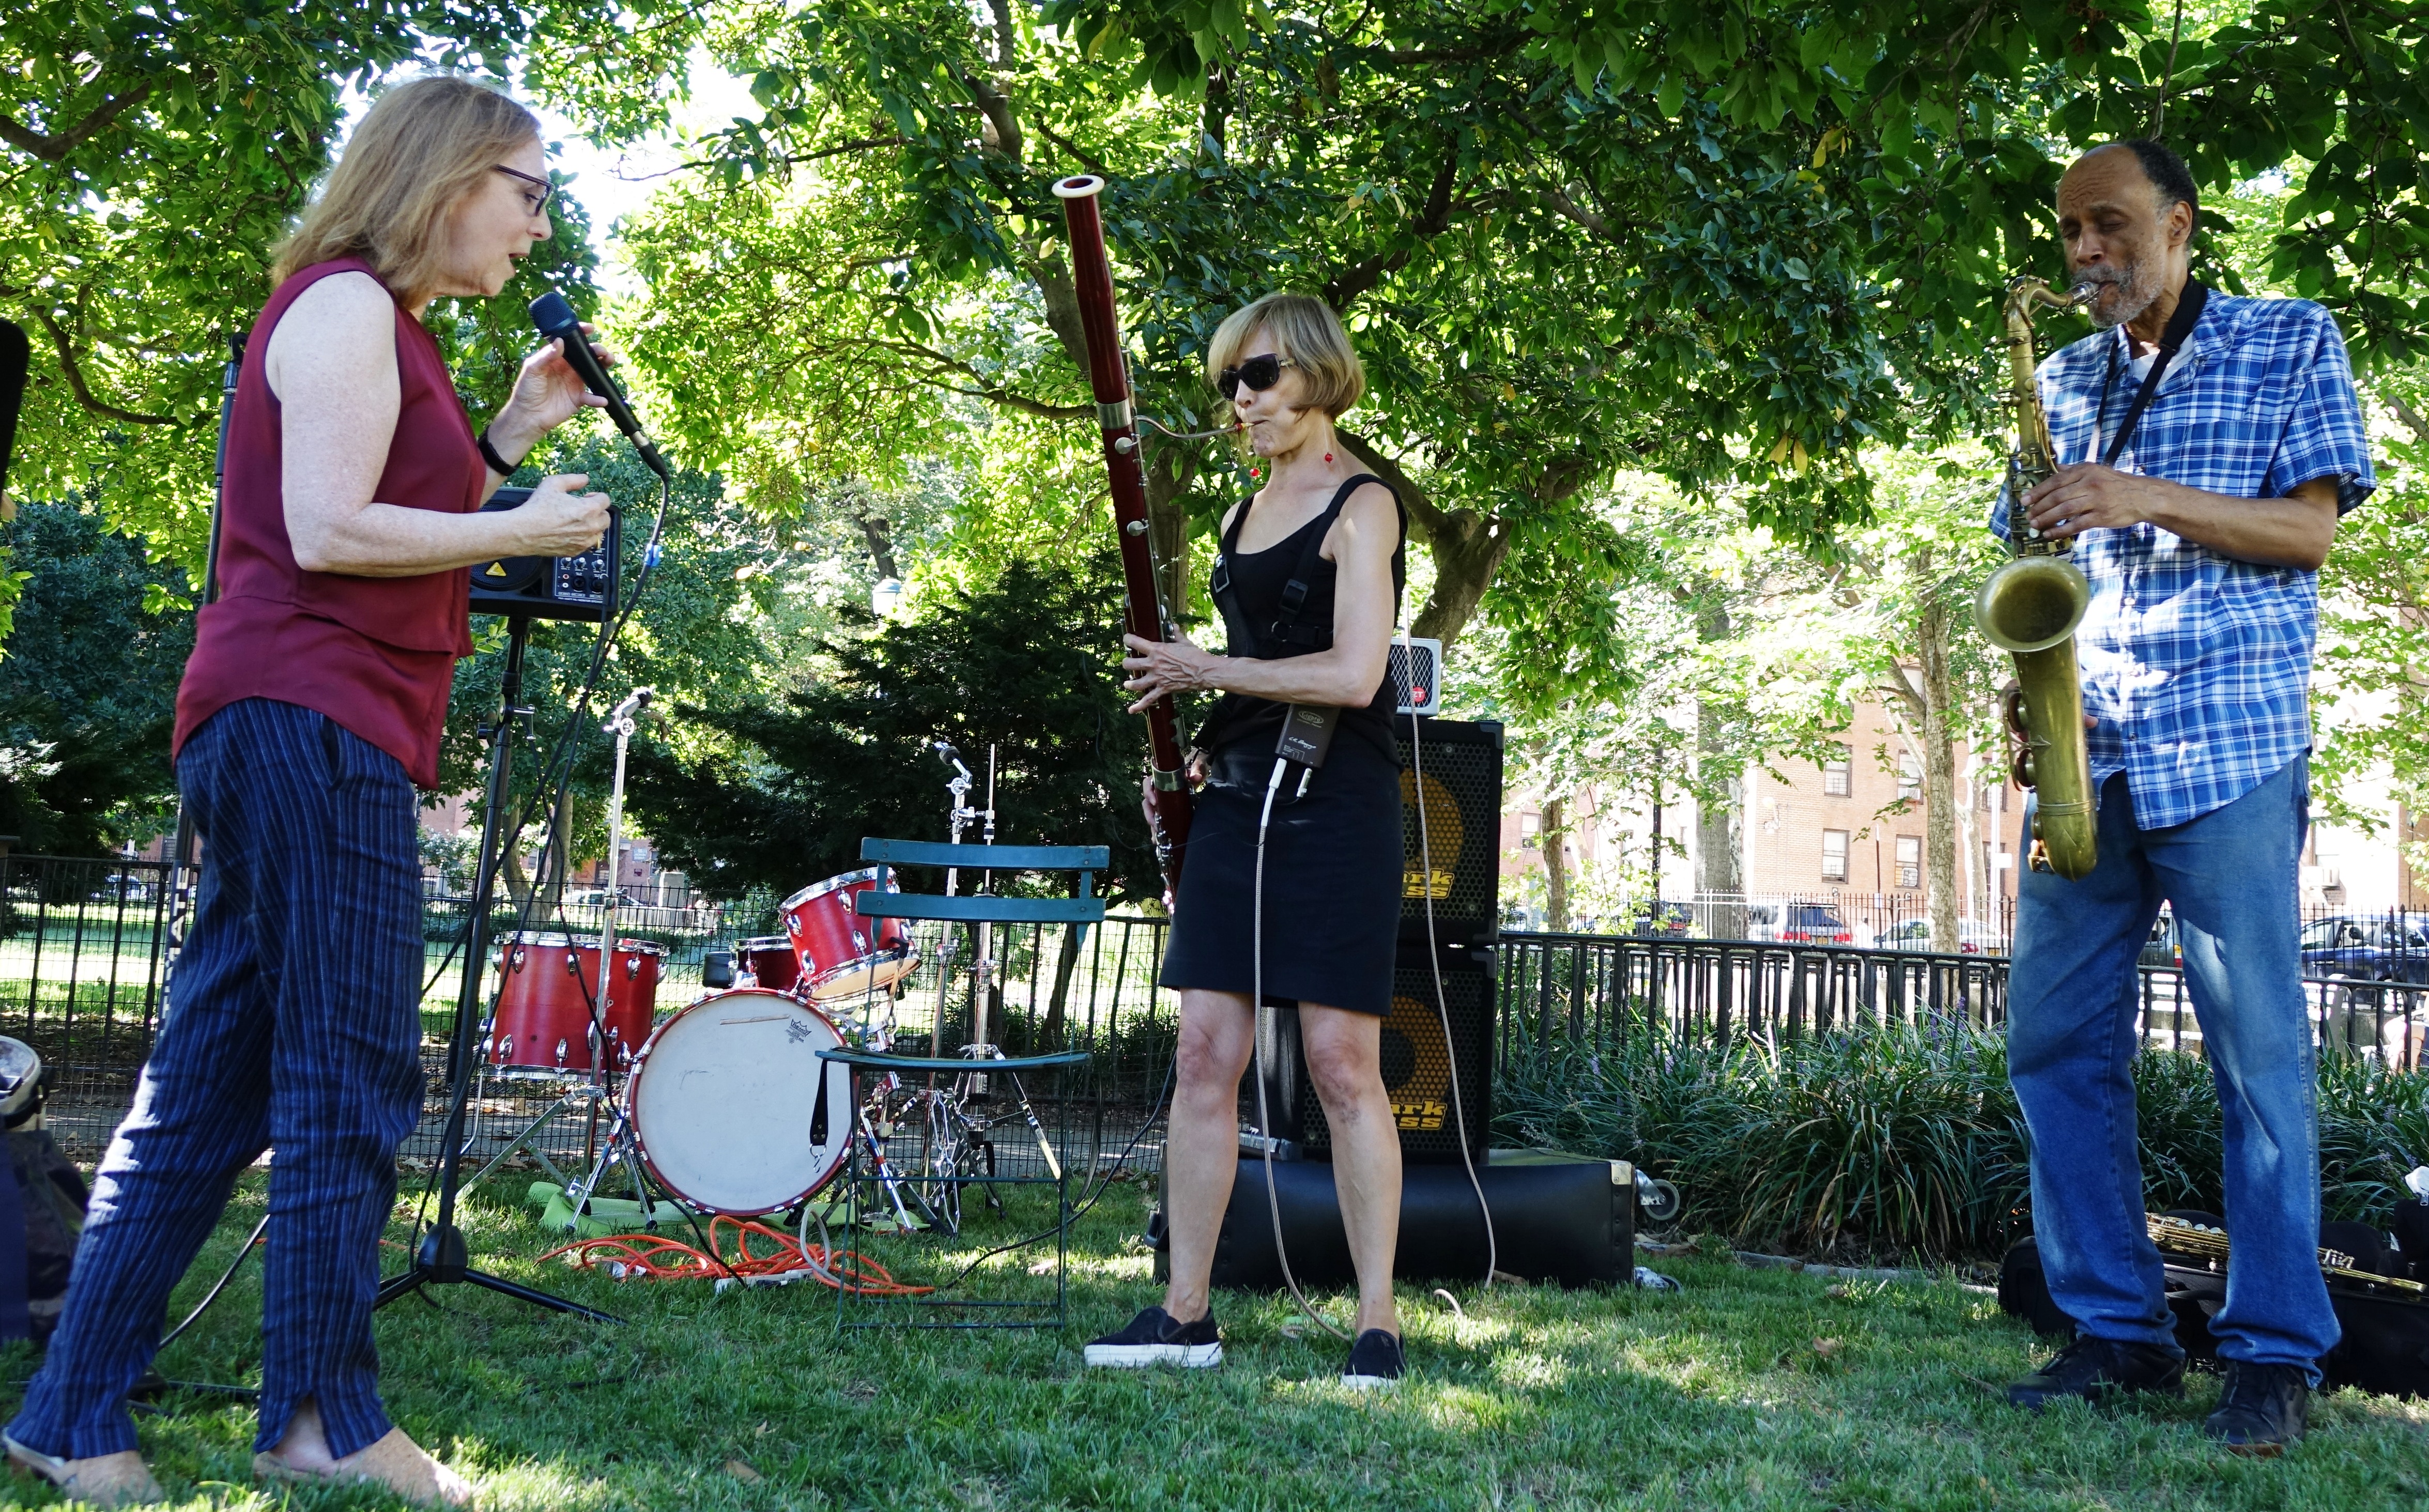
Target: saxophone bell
pixel 2030 607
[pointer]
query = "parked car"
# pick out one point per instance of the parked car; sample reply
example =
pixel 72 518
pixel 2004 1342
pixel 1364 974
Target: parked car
pixel 597 899
pixel 2163 949
pixel 1672 920
pixel 124 887
pixel 2386 948
pixel 1973 938
pixel 1808 924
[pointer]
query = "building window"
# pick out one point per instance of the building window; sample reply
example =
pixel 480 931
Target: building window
pixel 1909 779
pixel 1910 862
pixel 1834 855
pixel 1835 773
pixel 1530 827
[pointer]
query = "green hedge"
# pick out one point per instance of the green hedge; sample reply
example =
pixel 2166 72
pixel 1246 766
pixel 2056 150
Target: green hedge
pixel 1887 1143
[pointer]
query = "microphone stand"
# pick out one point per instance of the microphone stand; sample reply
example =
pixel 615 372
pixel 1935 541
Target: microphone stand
pixel 442 1258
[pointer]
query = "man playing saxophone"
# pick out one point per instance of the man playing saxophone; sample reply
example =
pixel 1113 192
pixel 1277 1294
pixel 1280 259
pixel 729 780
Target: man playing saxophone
pixel 2208 445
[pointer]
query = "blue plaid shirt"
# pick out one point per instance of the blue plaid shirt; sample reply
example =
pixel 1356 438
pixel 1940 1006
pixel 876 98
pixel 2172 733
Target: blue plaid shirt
pixel 2196 666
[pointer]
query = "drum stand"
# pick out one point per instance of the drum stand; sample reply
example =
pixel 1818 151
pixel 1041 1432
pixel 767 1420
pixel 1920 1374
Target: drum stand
pixel 442 1258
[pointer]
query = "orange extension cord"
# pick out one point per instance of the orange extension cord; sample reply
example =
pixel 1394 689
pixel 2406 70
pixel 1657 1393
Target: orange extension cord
pixel 657 1258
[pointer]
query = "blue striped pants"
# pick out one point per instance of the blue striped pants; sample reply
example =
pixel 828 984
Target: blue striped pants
pixel 292 1025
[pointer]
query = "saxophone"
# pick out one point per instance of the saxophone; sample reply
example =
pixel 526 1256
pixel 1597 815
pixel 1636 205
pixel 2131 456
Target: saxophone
pixel 2029 607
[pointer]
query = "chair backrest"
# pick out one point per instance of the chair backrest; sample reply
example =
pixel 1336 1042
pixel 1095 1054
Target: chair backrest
pixel 1086 860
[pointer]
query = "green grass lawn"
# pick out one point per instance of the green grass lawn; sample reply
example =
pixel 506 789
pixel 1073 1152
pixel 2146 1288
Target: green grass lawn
pixel 1751 1390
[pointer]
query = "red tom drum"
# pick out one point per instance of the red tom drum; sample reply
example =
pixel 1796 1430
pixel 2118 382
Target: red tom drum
pixel 543 1025
pixel 771 961
pixel 841 953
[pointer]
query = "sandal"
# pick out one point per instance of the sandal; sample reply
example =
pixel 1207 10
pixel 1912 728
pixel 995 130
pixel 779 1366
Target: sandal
pixel 105 1480
pixel 395 1462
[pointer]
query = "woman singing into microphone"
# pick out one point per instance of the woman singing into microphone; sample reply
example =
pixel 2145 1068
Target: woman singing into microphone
pixel 310 713
pixel 1309 581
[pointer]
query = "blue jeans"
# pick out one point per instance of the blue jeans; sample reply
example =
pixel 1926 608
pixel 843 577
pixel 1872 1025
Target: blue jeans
pixel 2071 1044
pixel 294 1023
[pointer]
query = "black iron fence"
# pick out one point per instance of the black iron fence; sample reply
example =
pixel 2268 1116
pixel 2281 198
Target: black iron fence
pixel 1585 989
pixel 85 947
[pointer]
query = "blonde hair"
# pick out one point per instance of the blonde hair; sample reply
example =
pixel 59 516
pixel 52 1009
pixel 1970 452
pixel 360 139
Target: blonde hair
pixel 423 147
pixel 1305 331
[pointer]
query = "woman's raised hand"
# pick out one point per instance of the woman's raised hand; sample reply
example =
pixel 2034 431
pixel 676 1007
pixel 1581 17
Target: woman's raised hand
pixel 547 393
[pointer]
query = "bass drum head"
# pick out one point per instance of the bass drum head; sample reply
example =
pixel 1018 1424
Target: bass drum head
pixel 733 1111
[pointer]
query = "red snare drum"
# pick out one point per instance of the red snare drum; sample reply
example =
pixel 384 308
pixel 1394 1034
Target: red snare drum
pixel 771 961
pixel 544 1025
pixel 841 953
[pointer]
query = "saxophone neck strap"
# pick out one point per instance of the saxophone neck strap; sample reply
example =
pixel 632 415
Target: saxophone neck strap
pixel 2180 328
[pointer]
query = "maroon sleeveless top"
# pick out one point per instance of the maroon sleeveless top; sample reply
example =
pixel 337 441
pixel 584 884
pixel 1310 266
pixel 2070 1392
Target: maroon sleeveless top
pixel 374 654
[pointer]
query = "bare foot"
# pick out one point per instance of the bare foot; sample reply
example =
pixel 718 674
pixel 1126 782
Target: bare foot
pixel 105 1480
pixel 395 1461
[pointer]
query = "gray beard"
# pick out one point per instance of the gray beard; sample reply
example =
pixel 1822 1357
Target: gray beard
pixel 2138 289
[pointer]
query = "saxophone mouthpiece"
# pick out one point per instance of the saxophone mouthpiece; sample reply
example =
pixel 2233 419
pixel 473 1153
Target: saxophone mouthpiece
pixel 2084 294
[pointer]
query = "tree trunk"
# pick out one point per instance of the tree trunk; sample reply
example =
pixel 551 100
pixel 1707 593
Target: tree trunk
pixel 1066 964
pixel 1169 470
pixel 1938 758
pixel 1468 547
pixel 1720 804
pixel 1553 836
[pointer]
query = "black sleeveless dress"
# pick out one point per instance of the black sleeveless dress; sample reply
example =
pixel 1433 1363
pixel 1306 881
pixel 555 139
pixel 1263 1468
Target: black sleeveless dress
pixel 1334 856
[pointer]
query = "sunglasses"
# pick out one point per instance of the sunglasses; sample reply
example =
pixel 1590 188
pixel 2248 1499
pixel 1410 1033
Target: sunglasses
pixel 534 201
pixel 1257 373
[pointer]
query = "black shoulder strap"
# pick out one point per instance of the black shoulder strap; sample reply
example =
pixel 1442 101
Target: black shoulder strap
pixel 1241 638
pixel 2180 326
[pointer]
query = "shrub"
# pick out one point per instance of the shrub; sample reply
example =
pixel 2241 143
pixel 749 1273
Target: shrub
pixel 1891 1140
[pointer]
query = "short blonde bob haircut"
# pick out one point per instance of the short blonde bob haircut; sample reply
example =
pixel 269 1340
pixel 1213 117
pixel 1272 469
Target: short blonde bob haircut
pixel 1306 333
pixel 423 148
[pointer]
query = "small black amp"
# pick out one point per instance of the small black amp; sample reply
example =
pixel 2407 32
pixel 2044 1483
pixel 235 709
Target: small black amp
pixel 582 587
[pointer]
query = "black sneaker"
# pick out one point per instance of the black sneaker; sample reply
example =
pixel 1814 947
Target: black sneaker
pixel 2262 1409
pixel 1375 1362
pixel 1153 1339
pixel 2091 1369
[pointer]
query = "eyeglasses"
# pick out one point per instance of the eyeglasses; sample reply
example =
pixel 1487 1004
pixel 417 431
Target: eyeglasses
pixel 536 203
pixel 1259 373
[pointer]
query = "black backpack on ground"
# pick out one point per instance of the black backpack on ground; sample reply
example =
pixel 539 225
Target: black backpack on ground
pixel 42 1206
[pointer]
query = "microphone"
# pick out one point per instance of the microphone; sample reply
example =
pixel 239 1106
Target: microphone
pixel 558 322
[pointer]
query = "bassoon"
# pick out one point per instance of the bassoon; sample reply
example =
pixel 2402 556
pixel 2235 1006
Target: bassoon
pixel 1092 277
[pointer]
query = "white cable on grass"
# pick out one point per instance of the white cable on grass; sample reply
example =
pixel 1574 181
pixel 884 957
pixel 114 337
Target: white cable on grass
pixel 1433 954
pixel 1258 1011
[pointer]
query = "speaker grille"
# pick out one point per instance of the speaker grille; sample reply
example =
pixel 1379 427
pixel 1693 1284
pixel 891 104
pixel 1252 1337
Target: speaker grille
pixel 1461 797
pixel 1417 1063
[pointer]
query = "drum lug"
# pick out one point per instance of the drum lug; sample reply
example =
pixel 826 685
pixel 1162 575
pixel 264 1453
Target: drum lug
pixel 632 967
pixel 560 1055
pixel 506 1049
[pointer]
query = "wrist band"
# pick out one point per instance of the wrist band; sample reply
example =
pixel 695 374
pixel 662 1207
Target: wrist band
pixel 498 464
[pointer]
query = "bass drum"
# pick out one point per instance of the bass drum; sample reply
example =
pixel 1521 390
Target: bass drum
pixel 733 1111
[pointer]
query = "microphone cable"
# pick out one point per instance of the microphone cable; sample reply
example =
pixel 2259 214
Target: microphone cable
pixel 1260 1016
pixel 1434 952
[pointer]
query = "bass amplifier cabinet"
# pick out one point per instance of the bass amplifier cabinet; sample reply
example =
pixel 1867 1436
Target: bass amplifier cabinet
pixel 1560 1218
pixel 582 587
pixel 1417 1064
pixel 1460 797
